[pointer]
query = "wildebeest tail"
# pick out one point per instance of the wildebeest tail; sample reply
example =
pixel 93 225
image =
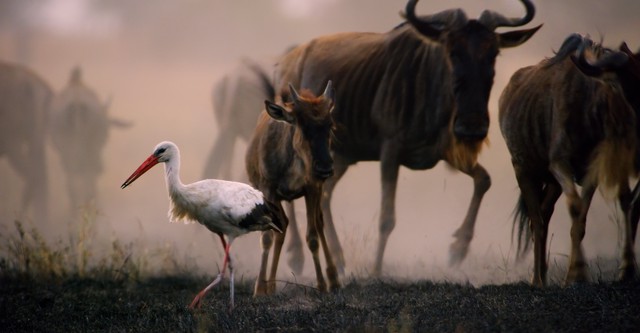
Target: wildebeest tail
pixel 521 222
pixel 265 81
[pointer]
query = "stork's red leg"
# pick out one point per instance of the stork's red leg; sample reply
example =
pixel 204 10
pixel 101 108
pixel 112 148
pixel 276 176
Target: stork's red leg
pixel 196 300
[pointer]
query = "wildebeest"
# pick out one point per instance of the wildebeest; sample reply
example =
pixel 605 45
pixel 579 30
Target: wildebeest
pixel 289 157
pixel 412 96
pixel 24 103
pixel 628 74
pixel 563 127
pixel 237 99
pixel 79 130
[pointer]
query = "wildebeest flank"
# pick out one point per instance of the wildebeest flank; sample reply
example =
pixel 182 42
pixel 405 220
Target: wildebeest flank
pixel 288 158
pixel 563 127
pixel 80 126
pixel 24 106
pixel 412 96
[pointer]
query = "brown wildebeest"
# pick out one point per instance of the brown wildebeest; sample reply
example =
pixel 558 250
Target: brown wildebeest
pixel 288 158
pixel 628 74
pixel 410 97
pixel 80 126
pixel 562 127
pixel 24 106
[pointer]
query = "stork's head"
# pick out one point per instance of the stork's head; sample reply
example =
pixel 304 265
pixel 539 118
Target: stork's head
pixel 163 152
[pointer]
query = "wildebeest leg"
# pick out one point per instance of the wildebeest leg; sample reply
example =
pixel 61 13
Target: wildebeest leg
pixel 628 269
pixel 312 199
pixel 577 210
pixel 296 257
pixel 31 166
pixel 315 238
pixel 340 166
pixel 577 265
pixel 551 193
pixel 219 162
pixel 481 183
pixel 264 286
pixel 531 194
pixel 389 172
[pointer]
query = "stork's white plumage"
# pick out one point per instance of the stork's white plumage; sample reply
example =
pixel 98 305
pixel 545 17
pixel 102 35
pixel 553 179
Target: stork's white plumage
pixel 224 207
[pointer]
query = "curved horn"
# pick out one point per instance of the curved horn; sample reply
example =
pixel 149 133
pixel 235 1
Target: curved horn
pixel 424 27
pixel 572 43
pixel 634 59
pixel 493 20
pixel 328 91
pixel 610 61
pixel 294 94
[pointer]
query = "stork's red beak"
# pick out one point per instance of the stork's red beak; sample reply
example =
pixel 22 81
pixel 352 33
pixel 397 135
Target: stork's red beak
pixel 144 167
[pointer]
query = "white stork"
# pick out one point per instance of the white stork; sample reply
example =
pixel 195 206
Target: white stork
pixel 224 207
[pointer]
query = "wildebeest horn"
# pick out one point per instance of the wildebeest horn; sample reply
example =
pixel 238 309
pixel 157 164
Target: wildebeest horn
pixel 425 27
pixel 634 59
pixel 328 91
pixel 570 45
pixel 493 20
pixel 610 61
pixel 294 94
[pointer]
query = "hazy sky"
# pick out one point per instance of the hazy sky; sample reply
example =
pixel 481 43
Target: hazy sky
pixel 159 60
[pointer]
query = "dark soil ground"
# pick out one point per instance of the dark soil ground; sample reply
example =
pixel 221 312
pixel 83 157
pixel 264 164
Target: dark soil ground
pixel 160 305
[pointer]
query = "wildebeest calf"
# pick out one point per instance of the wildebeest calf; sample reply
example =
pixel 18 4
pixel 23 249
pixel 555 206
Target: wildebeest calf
pixel 289 158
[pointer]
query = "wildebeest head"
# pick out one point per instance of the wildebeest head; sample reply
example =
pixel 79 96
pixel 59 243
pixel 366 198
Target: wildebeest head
pixel 595 61
pixel 471 47
pixel 311 118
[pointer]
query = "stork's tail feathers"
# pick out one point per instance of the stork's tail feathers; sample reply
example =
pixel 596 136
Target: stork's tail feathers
pixel 274 216
pixel 264 216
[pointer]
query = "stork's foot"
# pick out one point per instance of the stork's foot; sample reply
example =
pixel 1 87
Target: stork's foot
pixel 196 303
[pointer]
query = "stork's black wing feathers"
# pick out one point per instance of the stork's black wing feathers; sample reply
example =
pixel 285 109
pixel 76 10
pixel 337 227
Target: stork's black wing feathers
pixel 262 217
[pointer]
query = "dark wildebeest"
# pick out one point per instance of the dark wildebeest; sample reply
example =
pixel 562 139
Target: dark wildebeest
pixel 289 157
pixel 79 130
pixel 236 99
pixel 24 106
pixel 412 96
pixel 628 74
pixel 563 127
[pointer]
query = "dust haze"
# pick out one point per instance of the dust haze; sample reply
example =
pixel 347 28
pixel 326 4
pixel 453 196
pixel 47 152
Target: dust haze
pixel 158 60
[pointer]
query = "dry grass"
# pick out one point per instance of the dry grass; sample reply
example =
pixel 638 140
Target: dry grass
pixel 67 286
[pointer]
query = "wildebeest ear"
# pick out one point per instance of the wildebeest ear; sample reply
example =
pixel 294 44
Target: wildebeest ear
pixel 277 112
pixel 516 37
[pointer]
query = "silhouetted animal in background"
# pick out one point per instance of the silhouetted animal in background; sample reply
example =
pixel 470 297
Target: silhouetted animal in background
pixel 80 126
pixel 24 106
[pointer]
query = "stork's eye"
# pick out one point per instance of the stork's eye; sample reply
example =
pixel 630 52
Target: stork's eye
pixel 160 151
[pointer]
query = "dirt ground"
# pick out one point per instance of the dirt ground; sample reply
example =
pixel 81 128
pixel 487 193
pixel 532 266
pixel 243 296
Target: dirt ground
pixel 160 305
